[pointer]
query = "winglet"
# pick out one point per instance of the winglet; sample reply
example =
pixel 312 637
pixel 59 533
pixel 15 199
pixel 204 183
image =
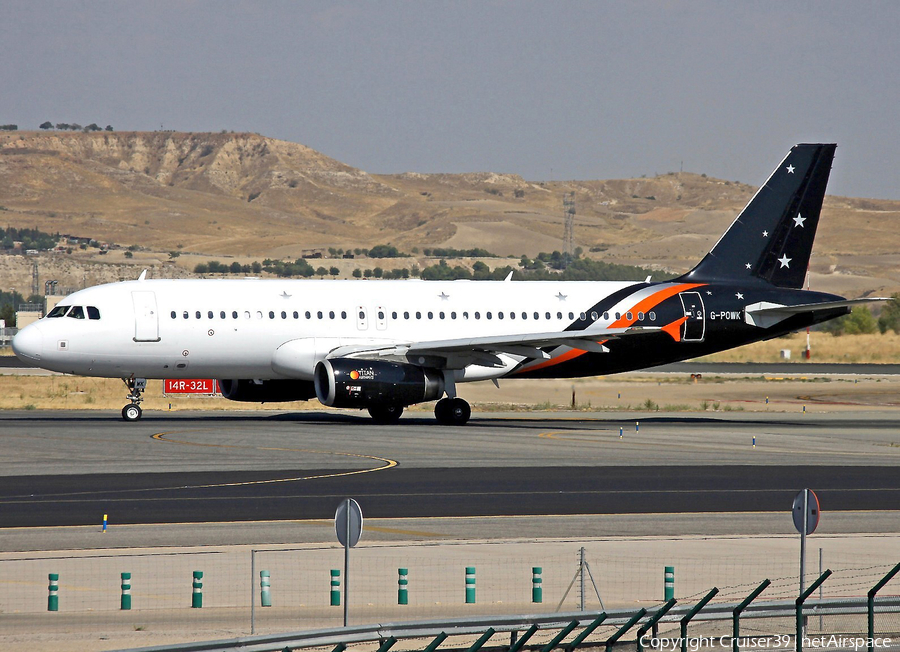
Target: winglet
pixel 509 276
pixel 143 275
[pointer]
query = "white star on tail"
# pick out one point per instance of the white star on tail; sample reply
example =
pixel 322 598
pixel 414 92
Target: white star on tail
pixel 784 260
pixel 739 295
pixel 790 169
pixel 747 265
pixel 765 234
pixel 799 220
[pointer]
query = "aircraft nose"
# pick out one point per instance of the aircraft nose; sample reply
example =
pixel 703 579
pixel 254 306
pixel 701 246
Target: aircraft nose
pixel 28 344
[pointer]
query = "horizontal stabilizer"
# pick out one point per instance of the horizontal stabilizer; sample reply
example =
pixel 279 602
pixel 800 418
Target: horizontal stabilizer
pixel 766 314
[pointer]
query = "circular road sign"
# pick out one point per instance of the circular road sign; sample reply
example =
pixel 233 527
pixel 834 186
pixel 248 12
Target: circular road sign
pixel 348 507
pixel 812 511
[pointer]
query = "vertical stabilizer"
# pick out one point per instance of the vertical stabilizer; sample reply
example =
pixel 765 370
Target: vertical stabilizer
pixel 772 238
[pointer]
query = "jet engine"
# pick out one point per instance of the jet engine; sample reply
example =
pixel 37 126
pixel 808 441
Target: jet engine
pixel 267 391
pixel 349 383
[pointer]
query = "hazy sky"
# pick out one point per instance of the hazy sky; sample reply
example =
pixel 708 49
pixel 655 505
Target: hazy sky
pixel 554 89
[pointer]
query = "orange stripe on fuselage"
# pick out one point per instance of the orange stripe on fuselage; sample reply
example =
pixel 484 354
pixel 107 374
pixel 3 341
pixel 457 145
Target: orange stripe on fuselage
pixel 652 301
pixel 642 306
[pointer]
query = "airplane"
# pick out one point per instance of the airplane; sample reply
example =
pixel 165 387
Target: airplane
pixel 386 345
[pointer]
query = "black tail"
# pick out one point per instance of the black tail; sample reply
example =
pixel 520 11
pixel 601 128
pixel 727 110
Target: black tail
pixel 772 238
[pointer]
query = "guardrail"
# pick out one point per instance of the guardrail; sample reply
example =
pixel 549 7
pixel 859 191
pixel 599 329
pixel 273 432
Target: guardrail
pixel 486 626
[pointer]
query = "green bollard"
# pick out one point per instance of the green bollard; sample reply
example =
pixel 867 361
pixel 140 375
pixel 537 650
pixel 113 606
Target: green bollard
pixel 470 585
pixel 537 593
pixel 402 586
pixel 125 603
pixel 669 583
pixel 335 588
pixel 265 595
pixel 197 595
pixel 53 597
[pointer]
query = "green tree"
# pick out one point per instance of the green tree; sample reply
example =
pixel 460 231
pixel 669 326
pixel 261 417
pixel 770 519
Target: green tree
pixel 890 315
pixel 46 125
pixel 357 273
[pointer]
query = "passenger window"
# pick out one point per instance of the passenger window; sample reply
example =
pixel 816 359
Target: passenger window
pixel 571 315
pixel 477 315
pixel 77 312
pixel 606 315
pixel 319 314
pixel 234 314
pixel 362 314
pixel 465 314
pixel 628 316
pixel 559 315
pixel 296 315
pixel 582 316
pixel 60 311
pixel 652 316
pixel 283 314
pixel 499 315
pixel 380 314
pixel 271 314
pixel 185 315
pixel 618 316
pixel 453 315
pixel 173 314
pixel 222 315
pixel 418 315
pixel 594 315
pixel 197 314
pixel 246 314
pixel 331 314
pixel 405 315
pixel 488 315
pixel 308 315
pixel 394 315
pixel 343 314
pixel 430 315
pixel 547 315
pixel 441 315
pixel 640 316
pixel 210 315
pixel 93 313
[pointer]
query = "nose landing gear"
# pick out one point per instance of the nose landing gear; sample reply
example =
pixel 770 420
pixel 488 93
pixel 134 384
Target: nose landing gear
pixel 136 387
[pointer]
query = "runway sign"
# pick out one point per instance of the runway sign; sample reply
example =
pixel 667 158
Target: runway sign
pixel 189 386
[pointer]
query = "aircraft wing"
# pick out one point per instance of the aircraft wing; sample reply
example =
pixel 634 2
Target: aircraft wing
pixel 765 314
pixel 484 350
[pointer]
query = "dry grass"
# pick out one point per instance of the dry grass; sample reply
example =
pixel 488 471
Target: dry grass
pixel 877 349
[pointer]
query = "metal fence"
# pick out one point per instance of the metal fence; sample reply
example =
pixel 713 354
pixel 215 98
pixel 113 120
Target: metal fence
pixel 164 594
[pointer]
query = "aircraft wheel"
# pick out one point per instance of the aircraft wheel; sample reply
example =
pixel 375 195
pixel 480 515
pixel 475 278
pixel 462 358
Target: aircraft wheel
pixel 132 412
pixel 386 414
pixel 452 412
pixel 442 411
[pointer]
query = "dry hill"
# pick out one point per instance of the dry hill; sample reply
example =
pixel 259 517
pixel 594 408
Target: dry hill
pixel 247 196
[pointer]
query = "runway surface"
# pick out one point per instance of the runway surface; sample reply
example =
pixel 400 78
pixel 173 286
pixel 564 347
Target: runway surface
pixel 69 468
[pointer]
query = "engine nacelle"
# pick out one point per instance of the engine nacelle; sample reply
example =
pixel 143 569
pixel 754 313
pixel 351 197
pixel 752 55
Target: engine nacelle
pixel 267 391
pixel 345 382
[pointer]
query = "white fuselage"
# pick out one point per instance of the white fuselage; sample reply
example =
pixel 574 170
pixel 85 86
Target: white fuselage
pixel 236 328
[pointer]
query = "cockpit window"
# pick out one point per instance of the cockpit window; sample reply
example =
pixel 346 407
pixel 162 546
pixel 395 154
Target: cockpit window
pixel 93 313
pixel 58 311
pixel 77 312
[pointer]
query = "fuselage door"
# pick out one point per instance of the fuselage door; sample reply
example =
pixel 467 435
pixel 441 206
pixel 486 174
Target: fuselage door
pixel 146 318
pixel 362 321
pixel 694 327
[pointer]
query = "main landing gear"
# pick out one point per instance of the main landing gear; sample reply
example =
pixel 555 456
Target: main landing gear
pixel 136 387
pixel 386 414
pixel 452 412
